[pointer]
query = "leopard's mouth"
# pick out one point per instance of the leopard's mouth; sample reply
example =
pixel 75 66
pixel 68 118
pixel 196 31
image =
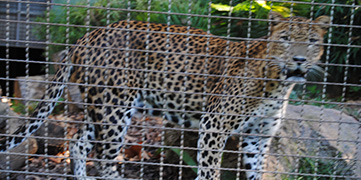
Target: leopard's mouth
pixel 296 75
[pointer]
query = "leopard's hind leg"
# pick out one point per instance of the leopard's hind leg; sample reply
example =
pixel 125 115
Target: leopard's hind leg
pixel 112 125
pixel 80 149
pixel 112 136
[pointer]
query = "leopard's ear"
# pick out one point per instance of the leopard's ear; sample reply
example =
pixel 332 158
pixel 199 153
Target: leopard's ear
pixel 275 18
pixel 323 22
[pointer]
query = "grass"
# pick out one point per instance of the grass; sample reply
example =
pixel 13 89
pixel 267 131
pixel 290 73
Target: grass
pixel 186 158
pixel 312 169
pixel 29 108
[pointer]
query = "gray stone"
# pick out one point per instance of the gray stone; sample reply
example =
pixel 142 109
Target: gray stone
pixel 34 87
pixel 310 132
pixel 29 146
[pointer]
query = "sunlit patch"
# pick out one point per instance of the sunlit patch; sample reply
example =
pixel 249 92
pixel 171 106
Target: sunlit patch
pixel 5 99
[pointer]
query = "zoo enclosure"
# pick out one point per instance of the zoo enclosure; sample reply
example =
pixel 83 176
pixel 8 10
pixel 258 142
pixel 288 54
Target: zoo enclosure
pixel 324 145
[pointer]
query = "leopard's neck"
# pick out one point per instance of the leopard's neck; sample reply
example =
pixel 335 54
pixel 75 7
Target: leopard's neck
pixel 250 49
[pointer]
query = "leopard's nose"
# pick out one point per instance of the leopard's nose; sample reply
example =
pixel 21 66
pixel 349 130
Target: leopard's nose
pixel 299 59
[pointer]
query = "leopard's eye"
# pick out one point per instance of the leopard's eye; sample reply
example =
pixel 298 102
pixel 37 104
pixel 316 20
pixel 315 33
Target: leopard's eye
pixel 284 38
pixel 313 40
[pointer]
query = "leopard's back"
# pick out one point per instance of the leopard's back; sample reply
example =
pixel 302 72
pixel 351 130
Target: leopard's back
pixel 164 66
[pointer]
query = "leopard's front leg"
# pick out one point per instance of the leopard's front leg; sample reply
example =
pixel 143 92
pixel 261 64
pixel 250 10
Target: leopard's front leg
pixel 212 139
pixel 256 142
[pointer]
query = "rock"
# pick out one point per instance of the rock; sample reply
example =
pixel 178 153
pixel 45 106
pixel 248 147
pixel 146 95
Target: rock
pixel 34 87
pixel 29 146
pixel 73 90
pixel 58 57
pixel 309 133
pixel 13 121
pixel 15 162
pixel 51 130
pixel 75 96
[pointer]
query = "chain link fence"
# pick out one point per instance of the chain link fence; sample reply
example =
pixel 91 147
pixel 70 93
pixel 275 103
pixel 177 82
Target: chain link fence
pixel 320 133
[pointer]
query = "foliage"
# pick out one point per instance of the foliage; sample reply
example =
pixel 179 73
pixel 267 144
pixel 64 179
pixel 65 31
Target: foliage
pixel 320 167
pixel 20 108
pixel 312 95
pixel 186 158
pixel 177 6
pixel 77 16
pixel 341 35
pixel 98 15
pixel 255 10
pixel 29 108
pixel 240 11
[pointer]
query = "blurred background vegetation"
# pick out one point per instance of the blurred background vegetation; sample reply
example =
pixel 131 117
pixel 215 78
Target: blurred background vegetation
pixel 241 10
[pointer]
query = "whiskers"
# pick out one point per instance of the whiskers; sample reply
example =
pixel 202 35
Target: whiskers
pixel 315 73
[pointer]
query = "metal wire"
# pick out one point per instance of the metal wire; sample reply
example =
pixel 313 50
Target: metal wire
pixel 181 14
pixel 7 84
pixel 27 48
pixel 162 164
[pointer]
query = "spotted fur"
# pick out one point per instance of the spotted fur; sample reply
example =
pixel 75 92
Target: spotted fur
pixel 131 67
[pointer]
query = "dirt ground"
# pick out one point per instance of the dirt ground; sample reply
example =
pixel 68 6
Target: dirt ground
pixel 140 158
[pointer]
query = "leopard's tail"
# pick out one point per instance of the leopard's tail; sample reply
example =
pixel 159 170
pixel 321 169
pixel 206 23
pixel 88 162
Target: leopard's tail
pixel 43 109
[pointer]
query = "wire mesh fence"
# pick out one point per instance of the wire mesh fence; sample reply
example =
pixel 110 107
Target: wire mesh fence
pixel 180 89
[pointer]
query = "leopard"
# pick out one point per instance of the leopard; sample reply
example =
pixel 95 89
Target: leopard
pixel 190 78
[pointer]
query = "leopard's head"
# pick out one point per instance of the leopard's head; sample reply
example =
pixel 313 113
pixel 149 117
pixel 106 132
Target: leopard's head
pixel 297 42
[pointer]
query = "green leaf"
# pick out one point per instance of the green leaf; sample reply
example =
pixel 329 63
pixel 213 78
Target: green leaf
pixel 222 7
pixel 186 158
pixel 244 6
